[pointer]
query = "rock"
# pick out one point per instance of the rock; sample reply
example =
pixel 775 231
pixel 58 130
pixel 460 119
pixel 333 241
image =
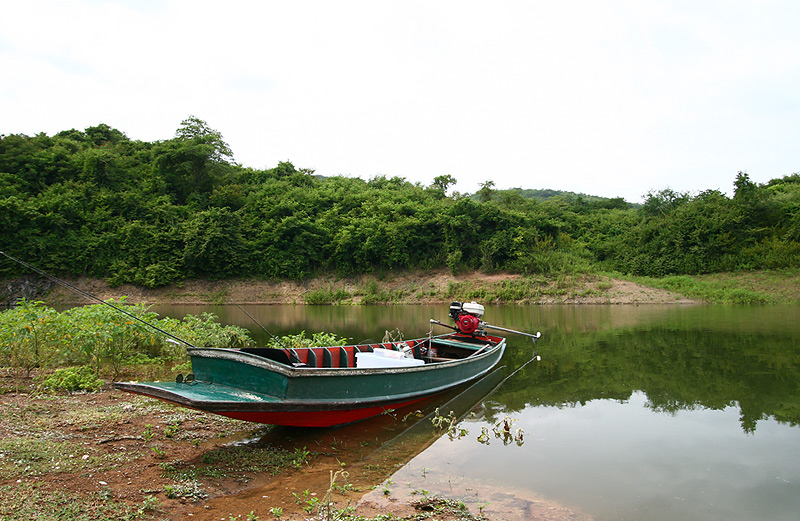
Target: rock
pixel 27 287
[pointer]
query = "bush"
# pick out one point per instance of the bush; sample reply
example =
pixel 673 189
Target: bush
pixel 299 340
pixel 326 296
pixel 72 379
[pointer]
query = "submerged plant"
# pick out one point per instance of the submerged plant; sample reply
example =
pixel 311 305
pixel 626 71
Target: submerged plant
pixel 450 424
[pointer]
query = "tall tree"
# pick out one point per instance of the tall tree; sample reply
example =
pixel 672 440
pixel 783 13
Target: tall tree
pixel 193 162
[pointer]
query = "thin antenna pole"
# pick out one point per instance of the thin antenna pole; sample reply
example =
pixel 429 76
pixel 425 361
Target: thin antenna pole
pixel 292 354
pixel 90 296
pixel 278 340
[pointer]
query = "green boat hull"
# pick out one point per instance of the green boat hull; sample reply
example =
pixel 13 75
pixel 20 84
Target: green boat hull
pixel 246 386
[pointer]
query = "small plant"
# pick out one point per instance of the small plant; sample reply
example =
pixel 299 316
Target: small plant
pixel 160 453
pixel 413 415
pixel 297 499
pixel 170 431
pixel 484 436
pixel 300 456
pixel 347 487
pixel 503 430
pixel 149 503
pixel 147 435
pixel 449 423
pixel 276 511
pixel 187 490
pixel 327 296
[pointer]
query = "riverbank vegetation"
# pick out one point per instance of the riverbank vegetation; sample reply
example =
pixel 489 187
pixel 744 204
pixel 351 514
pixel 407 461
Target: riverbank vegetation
pixel 98 204
pixel 83 343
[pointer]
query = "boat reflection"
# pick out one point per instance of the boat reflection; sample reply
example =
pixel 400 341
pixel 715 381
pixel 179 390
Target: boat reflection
pixel 380 444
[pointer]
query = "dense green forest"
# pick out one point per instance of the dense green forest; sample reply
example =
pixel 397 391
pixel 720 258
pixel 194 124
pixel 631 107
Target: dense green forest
pixel 97 203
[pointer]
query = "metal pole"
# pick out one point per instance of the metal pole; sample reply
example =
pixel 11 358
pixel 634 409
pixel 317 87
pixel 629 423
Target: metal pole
pixel 535 337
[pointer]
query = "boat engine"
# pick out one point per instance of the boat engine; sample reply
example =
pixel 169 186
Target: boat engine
pixel 467 316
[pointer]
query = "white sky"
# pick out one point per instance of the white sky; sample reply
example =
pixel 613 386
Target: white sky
pixel 612 98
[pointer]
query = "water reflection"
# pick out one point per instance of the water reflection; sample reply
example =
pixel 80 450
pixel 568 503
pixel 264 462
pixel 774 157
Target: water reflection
pixel 634 412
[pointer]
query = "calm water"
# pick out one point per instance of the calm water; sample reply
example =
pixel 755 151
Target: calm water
pixel 634 412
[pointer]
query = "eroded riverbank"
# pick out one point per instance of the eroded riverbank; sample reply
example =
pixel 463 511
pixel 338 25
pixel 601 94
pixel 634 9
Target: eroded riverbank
pixel 408 288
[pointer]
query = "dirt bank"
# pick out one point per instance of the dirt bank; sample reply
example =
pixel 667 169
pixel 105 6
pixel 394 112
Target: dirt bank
pixel 406 288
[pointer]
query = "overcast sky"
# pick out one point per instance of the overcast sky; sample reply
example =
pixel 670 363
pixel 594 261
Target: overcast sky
pixel 610 98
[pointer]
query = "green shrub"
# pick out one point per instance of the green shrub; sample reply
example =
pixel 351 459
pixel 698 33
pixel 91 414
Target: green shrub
pixel 301 340
pixel 326 296
pixel 72 379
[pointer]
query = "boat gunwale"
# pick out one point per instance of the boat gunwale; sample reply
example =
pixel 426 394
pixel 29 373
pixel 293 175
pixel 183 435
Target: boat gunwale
pixel 254 360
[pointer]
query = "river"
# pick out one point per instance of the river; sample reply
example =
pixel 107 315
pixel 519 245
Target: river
pixel 652 412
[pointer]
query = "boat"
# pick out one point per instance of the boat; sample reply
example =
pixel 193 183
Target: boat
pixel 333 385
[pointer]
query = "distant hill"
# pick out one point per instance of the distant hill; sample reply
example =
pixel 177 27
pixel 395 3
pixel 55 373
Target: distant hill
pixel 545 194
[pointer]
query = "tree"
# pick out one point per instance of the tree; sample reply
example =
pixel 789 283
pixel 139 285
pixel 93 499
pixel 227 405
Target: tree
pixel 214 243
pixel 197 131
pixel 663 201
pixel 193 162
pixel 486 191
pixel 443 182
pixel 744 189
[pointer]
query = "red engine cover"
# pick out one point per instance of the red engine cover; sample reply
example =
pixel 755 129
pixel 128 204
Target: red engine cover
pixel 468 324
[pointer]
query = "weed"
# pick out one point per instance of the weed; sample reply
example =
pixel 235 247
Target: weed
pixel 170 431
pixel 326 296
pixel 217 297
pixel 25 456
pixel 449 423
pixel 720 288
pixel 439 505
pixel 300 456
pixel 308 500
pixel 503 430
pixel 159 453
pixel 185 490
pixel 26 501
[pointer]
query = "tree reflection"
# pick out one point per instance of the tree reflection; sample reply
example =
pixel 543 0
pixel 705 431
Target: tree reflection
pixel 677 369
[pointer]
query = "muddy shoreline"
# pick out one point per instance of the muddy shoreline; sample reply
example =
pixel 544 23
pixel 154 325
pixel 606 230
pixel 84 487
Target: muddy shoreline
pixel 403 288
pixel 150 460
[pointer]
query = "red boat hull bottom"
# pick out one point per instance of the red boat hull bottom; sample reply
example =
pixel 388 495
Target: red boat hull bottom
pixel 314 418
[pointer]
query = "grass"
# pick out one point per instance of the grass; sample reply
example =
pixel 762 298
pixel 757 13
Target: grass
pixel 520 290
pixel 32 457
pixel 427 508
pixel 327 296
pixel 27 501
pixel 759 287
pixel 41 449
pixel 239 462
